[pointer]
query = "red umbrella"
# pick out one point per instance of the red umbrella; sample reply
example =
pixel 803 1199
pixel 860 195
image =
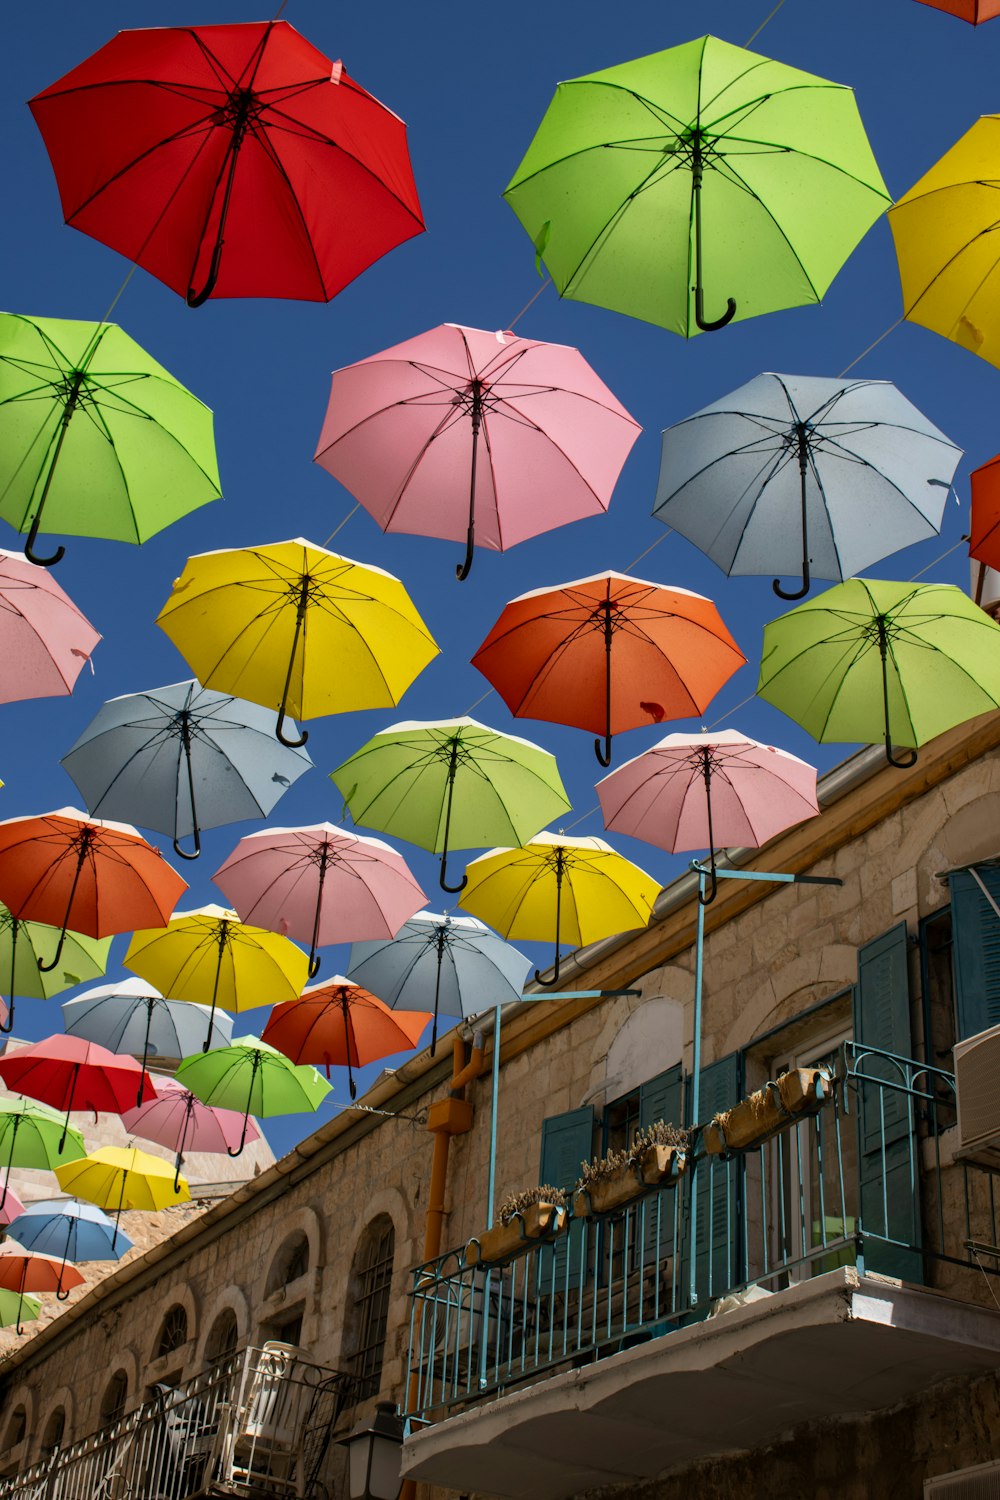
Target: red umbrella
pixel 177 1119
pixel 968 10
pixel 90 874
pixel 340 1023
pixel 608 653
pixel 234 160
pixel 68 1073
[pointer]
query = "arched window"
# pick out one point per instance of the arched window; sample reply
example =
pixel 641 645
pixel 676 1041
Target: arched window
pixel 291 1262
pixel 55 1429
pixel 173 1331
pixel 223 1336
pixel 16 1427
pixel 368 1310
pixel 114 1398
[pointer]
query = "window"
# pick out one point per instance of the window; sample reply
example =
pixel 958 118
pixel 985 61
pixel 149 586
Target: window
pixel 114 1398
pixel 173 1331
pixel 16 1427
pixel 291 1262
pixel 371 1283
pixel 286 1330
pixel 55 1429
pixel 223 1336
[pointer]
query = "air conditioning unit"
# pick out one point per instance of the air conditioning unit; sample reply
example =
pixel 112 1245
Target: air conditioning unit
pixel 977 1082
pixel 979 1483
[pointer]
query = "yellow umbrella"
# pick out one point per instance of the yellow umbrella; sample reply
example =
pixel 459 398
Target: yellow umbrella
pixel 297 628
pixel 947 245
pixel 210 957
pixel 582 886
pixel 120 1177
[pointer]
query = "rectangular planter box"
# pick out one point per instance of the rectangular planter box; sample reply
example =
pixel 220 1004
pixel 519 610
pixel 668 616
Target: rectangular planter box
pixel 540 1221
pixel 658 1167
pixel 795 1095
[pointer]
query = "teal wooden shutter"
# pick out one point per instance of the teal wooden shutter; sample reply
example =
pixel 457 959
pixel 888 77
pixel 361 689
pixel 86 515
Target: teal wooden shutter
pixel 662 1098
pixel 888 1149
pixel 975 933
pixel 718 1242
pixel 567 1140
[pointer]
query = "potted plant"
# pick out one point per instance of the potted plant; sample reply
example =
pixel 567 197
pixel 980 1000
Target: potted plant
pixel 656 1159
pixel 538 1213
pixel 795 1095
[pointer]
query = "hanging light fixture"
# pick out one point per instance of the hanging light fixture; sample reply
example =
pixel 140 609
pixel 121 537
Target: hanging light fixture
pixel 374 1452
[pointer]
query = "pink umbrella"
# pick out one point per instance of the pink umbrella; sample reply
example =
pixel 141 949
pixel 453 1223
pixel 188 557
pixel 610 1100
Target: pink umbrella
pixel 10 1204
pixel 320 884
pixel 178 1120
pixel 694 791
pixel 44 639
pixel 403 428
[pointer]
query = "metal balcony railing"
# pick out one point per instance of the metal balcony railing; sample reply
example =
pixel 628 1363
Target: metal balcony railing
pixel 860 1183
pixel 257 1423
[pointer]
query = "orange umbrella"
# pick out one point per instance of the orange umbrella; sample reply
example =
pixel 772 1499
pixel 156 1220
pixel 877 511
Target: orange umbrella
pixel 984 541
pixel 27 1271
pixel 339 1022
pixel 974 11
pixel 608 653
pixel 88 874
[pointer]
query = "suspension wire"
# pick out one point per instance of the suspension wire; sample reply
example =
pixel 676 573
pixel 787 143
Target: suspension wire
pixel 471 706
pixel 769 17
pixel 940 558
pixel 369 1109
pixel 343 523
pixel 667 531
pixel 530 301
pixel 891 329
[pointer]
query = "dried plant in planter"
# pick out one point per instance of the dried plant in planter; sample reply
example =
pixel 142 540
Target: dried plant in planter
pixel 516 1203
pixel 602 1167
pixel 658 1134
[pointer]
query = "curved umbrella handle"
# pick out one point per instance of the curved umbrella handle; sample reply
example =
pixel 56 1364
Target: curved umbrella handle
pixel 240 123
pixel 603 753
pixel 32 555
pixel 462 569
pixel 705 898
pixel 705 324
pixel 793 593
pixel 549 983
pixel 280 735
pixel 711 325
pixel 908 760
pixel 197 299
pixel 314 964
pixel 194 853
pixel 6 1027
pixel 452 890
pixel 803 445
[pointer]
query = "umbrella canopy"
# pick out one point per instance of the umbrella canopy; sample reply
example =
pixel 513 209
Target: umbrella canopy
pixel 131 1016
pixel 560 889
pixel 460 432
pixel 871 660
pixel 44 638
pixel 456 963
pixel 178 1120
pixel 90 874
pixel 340 1023
pixel 69 1073
pixel 974 11
pixel 608 653
pixel 212 958
pixel 837 473
pixel 237 161
pixel 182 758
pixel 69 1229
pixel 696 791
pixel 10 1207
pixel 949 261
pixel 984 526
pixel 119 1178
pixel 267 622
pixel 255 1078
pixel 320 884
pixel 24 1271
pixel 96 435
pixel 454 782
pixel 17 1309
pixel 697 185
pixel 26 949
pixel 33 1136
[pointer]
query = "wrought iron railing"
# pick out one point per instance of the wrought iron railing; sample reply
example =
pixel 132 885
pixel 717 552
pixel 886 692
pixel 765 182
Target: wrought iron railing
pixel 258 1422
pixel 858 1183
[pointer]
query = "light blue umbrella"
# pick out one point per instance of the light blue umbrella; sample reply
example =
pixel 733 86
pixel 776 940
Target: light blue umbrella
pixel 796 471
pixel 181 758
pixel 69 1229
pixel 131 1016
pixel 456 966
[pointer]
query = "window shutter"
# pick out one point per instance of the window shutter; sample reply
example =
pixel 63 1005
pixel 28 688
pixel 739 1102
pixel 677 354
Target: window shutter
pixel 718 1240
pixel 975 950
pixel 567 1140
pixel 662 1098
pixel 888 1150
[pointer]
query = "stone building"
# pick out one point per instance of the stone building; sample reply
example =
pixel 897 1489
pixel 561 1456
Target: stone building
pixel 816 1313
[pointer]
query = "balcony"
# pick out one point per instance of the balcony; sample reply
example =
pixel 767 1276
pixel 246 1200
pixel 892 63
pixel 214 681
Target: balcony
pixel 257 1424
pixel 614 1353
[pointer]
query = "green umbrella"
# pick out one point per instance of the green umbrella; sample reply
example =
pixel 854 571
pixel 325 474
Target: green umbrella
pixel 95 434
pixel 452 782
pixel 253 1077
pixel 31 1136
pixel 25 946
pixel 869 661
pixel 17 1307
pixel 705 175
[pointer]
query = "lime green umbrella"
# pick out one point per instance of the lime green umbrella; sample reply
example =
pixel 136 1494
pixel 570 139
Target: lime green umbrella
pixel 96 435
pixel 31 1136
pixel 17 1308
pixel 26 946
pixel 453 782
pixel 870 660
pixel 253 1077
pixel 698 185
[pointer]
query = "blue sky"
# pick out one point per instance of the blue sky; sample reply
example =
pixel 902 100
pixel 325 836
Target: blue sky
pixel 472 84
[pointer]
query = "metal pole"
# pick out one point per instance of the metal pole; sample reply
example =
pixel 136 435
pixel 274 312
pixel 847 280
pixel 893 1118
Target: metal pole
pixel 699 967
pixel 491 1186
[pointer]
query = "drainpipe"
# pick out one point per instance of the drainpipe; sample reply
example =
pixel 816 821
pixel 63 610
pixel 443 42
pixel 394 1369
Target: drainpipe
pixel 447 1117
